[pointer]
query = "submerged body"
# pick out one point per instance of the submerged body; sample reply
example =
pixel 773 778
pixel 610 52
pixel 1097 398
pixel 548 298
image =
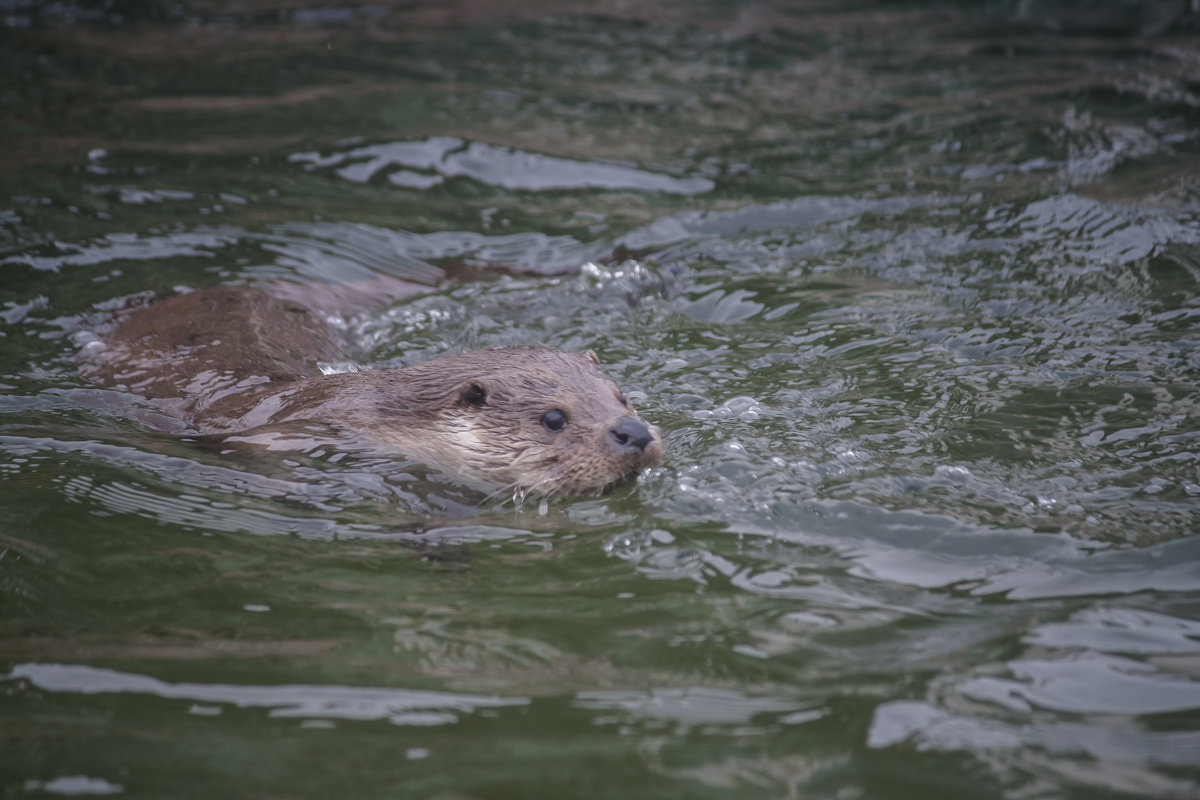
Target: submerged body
pixel 234 359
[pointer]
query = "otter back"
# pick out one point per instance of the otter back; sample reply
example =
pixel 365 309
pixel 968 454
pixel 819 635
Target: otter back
pixel 204 345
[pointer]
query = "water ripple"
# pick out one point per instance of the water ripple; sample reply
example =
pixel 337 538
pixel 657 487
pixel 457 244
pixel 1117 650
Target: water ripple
pixel 397 706
pixel 517 170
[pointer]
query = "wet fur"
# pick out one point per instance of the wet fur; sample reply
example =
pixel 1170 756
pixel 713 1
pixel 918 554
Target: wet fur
pixel 235 358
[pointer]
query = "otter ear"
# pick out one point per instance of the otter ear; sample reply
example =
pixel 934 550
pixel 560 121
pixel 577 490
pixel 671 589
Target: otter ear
pixel 472 394
pixel 592 355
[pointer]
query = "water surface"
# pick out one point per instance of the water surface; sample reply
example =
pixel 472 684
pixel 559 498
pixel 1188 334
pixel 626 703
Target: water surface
pixel 912 289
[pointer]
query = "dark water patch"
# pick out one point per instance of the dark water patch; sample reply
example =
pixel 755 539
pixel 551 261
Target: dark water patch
pixel 911 293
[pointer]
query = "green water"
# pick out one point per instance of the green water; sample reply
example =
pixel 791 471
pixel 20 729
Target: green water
pixel 912 289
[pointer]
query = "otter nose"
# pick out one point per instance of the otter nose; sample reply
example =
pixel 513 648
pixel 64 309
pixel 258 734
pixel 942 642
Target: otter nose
pixel 631 432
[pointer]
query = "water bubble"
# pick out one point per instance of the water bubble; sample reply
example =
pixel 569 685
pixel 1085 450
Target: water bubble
pixel 626 546
pixel 955 473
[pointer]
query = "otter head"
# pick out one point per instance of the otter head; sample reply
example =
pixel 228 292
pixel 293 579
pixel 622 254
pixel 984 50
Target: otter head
pixel 536 419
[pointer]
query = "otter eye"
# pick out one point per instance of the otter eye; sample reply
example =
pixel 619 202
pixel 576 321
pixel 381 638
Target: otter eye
pixel 623 400
pixel 473 394
pixel 554 421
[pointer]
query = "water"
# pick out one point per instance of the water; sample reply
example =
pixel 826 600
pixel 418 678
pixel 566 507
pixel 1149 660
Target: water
pixel 913 291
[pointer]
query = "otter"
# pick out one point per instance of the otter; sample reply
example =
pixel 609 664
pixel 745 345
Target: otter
pixel 232 359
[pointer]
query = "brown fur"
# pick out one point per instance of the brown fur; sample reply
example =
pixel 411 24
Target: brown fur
pixel 235 358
